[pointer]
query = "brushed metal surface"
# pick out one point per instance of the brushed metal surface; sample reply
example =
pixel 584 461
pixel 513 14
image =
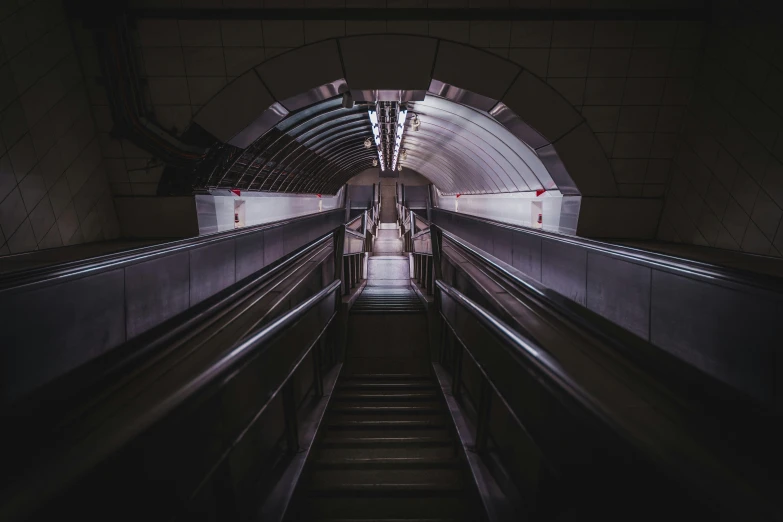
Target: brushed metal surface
pixel 54 329
pixel 564 270
pixel 156 290
pixel 212 268
pixel 620 291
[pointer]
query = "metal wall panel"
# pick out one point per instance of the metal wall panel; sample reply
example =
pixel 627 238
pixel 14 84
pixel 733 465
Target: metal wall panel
pixel 732 335
pixel 212 268
pixel 156 290
pixel 526 255
pixel 564 269
pixel 51 330
pixel 502 245
pixel 620 291
pixel 730 330
pixel 273 245
pixel 249 254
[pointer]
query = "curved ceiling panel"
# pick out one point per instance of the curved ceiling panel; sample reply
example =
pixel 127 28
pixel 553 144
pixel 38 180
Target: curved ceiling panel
pixel 319 148
pixel 315 150
pixel 477 154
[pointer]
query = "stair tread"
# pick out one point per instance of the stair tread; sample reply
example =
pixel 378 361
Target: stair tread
pixel 387 462
pixel 331 441
pixel 415 407
pixel 387 423
pixel 379 395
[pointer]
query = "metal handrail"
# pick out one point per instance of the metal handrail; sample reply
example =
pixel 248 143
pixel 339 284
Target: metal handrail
pixel 685 456
pixel 92 265
pixel 579 315
pixel 651 259
pixel 195 321
pixel 354 233
pixel 62 470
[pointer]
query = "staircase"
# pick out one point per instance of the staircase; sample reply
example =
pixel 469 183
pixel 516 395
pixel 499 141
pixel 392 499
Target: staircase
pixel 387 453
pixel 387 449
pixel 387 300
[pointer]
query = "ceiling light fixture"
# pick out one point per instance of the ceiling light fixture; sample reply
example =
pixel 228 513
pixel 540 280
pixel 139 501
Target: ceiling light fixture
pixel 367 143
pixel 375 162
pixel 416 122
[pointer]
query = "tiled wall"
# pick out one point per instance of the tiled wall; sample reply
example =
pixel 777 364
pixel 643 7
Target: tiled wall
pixel 727 182
pixel 630 80
pixel 53 186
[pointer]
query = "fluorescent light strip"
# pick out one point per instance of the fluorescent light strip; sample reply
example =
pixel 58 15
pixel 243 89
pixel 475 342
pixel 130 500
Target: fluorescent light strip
pixel 377 134
pixel 400 128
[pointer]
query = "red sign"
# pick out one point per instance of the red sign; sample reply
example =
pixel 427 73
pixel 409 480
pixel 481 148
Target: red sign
pixel 540 191
pixel 236 191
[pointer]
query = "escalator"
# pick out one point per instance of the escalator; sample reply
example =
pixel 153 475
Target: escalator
pixel 327 389
pixel 387 449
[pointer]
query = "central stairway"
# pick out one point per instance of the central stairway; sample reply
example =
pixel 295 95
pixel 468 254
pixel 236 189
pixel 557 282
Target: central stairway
pixel 387 449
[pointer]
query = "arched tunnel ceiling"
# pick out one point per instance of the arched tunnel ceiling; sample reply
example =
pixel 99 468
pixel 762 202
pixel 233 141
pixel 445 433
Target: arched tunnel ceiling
pixel 461 149
pixel 319 148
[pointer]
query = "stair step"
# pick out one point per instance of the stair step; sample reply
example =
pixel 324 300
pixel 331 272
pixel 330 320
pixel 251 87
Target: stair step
pixel 349 385
pixel 379 376
pixel 361 488
pixel 389 462
pixel 412 409
pixel 431 507
pixel 386 452
pixel 385 441
pixel 386 520
pixel 389 397
pixel 387 424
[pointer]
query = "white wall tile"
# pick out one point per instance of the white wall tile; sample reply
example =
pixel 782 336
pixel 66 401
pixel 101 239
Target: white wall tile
pixel 614 33
pixel 609 62
pixel 32 188
pixel 638 119
pixel 23 157
pixel 158 33
pixel 168 91
pixel 534 60
pixel 283 33
pixel 12 213
pixel 51 239
pixel 42 219
pixel 572 33
pixel 23 239
pixel 68 223
pixel 745 190
pixel 242 33
pixel 568 62
pixel 242 59
pixel 163 61
pixel 602 118
pixel 643 91
pixel 13 124
pixel 457 31
pixel 766 215
pixel 204 61
pixel 7 177
pixel 655 34
pixel 604 91
pixel 755 241
pixel 199 33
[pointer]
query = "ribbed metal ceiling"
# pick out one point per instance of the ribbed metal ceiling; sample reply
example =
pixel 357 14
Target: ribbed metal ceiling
pixel 318 149
pixel 315 151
